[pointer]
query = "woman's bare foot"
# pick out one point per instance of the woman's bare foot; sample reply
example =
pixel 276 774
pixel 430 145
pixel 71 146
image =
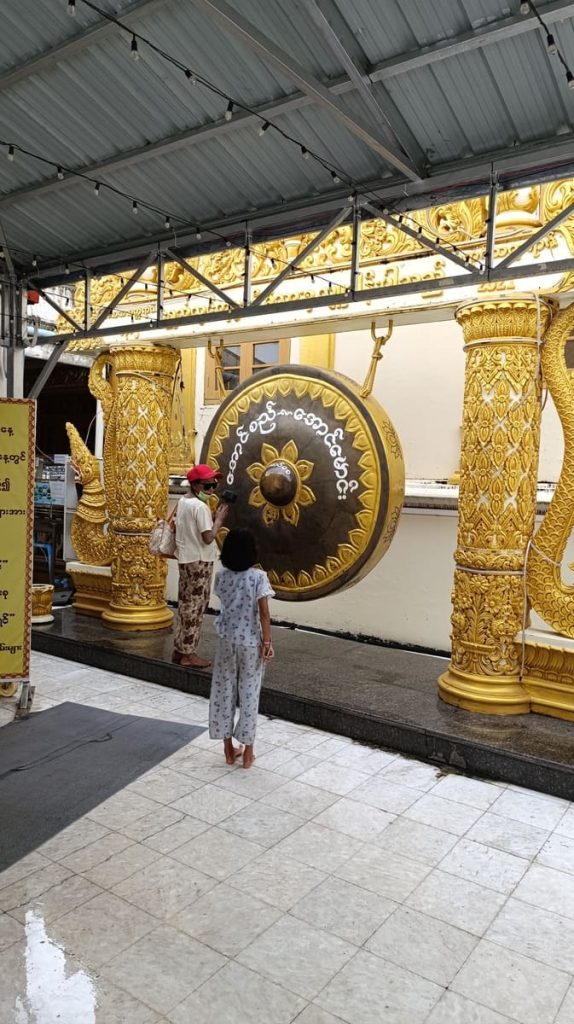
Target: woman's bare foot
pixel 192 661
pixel 231 752
pixel 248 756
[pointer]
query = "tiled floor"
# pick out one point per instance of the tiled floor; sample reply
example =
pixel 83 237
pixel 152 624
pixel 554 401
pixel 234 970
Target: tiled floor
pixel 331 883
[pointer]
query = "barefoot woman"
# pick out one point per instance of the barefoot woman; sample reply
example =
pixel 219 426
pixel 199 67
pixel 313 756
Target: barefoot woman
pixel 196 551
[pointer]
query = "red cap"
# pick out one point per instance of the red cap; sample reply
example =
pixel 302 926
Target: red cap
pixel 203 472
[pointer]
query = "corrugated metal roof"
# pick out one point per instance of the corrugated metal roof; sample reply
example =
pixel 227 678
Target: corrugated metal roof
pixel 89 104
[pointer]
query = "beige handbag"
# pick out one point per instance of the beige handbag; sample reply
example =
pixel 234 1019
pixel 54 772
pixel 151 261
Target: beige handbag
pixel 162 537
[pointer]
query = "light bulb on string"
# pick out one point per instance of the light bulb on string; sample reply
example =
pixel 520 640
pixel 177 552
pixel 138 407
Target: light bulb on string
pixel 167 224
pixel 525 7
pixel 60 173
pixel 11 154
pixel 551 45
pixel 191 77
pixel 198 234
pixel 34 261
pixel 134 49
pixel 135 207
pixel 72 8
pixel 335 177
pixel 264 128
pixel 229 111
pixel 570 79
pixel 97 187
pixel 305 153
pixel 66 268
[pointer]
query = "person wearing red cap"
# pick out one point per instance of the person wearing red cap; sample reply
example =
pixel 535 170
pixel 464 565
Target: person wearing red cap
pixel 196 551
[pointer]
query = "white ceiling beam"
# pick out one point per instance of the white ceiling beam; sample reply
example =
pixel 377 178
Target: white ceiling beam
pixel 240 28
pixel 87 37
pixel 476 39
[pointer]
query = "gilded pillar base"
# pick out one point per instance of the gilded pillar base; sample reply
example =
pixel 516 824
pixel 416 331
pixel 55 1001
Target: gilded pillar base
pixel 93 588
pixel 137 620
pixel 499 696
pixel 549 675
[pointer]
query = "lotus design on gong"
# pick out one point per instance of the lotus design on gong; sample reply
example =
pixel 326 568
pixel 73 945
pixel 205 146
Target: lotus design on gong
pixel 280 489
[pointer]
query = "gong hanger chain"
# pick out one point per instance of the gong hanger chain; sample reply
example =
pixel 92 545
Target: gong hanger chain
pixel 377 355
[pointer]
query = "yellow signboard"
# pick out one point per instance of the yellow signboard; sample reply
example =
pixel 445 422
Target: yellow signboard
pixel 17 437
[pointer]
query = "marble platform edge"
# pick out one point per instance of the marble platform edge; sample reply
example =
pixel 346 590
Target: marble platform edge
pixel 438 748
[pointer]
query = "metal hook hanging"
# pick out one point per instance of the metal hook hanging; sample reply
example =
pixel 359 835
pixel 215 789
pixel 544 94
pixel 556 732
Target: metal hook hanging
pixel 378 341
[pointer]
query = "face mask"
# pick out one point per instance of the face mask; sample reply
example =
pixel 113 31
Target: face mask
pixel 203 496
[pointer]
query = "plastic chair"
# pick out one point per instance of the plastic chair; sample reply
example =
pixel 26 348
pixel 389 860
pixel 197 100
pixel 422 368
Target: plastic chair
pixel 48 552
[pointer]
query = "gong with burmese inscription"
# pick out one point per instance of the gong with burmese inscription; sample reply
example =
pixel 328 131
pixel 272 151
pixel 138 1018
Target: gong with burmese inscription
pixel 319 475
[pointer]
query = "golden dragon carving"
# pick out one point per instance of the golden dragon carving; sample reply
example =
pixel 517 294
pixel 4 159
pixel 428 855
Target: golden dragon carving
pixel 89 526
pixel 549 595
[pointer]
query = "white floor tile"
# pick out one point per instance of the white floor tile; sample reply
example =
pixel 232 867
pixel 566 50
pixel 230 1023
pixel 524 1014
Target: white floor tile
pixel 566 1012
pixel 473 792
pixel 440 813
pixel 368 984
pixel 361 821
pixel 508 835
pixel 517 986
pixel 383 872
pixel 319 847
pixel 536 933
pixel 261 823
pixel 428 947
pixel 485 865
pixel 164 887
pixel 346 910
pixel 226 919
pixel 411 773
pixel 380 792
pixel 236 995
pixel 531 809
pixel 549 889
pixel 101 929
pixel 557 852
pixel 333 778
pixel 276 879
pixel 298 956
pixel 300 799
pixel 456 901
pixel 217 853
pixel 210 803
pixel 163 967
pixel 455 1009
pixel 407 838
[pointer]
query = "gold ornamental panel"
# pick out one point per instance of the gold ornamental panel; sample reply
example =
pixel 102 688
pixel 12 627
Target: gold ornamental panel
pixel 318 473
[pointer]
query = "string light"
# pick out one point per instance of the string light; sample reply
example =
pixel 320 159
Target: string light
pixel 66 268
pixel 167 224
pixel 551 45
pixel 11 154
pixel 335 177
pixel 190 76
pixel 525 7
pixel 134 49
pixel 570 79
pixel 97 189
pixel 305 153
pixel 72 8
pixel 60 174
pixel 264 128
pixel 34 261
pixel 229 112
pixel 135 207
pixel 198 234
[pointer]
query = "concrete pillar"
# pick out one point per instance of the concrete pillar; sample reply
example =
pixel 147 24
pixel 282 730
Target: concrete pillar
pixel 497 502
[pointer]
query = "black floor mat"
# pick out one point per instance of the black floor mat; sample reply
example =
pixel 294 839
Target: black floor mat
pixel 58 764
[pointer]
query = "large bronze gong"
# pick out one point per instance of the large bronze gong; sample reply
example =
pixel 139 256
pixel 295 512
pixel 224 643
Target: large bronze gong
pixel 318 472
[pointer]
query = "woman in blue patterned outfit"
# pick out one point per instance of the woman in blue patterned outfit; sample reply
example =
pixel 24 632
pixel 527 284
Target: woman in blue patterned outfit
pixel 243 629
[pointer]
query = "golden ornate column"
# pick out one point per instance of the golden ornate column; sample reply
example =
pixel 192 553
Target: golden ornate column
pixel 135 387
pixel 497 502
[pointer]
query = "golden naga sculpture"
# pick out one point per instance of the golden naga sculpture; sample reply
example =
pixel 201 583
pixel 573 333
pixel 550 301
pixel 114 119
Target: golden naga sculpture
pixel 549 595
pixel 90 523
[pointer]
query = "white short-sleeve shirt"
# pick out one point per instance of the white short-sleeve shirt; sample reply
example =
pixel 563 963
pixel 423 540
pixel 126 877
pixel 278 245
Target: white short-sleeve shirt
pixel 239 593
pixel 193 517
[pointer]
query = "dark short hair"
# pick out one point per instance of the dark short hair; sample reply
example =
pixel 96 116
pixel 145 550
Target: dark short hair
pixel 239 550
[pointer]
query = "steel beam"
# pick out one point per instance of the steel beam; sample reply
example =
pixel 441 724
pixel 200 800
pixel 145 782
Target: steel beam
pixel 418 235
pixel 56 306
pixel 494 32
pixel 334 299
pixel 568 211
pixel 344 45
pixel 240 28
pixel 491 224
pixel 86 37
pixel 290 267
pixel 103 316
pixel 355 247
pixel 202 279
pixel 459 181
pixel 48 367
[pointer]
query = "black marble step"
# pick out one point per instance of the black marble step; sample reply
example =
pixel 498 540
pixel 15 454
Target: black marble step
pixel 372 693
